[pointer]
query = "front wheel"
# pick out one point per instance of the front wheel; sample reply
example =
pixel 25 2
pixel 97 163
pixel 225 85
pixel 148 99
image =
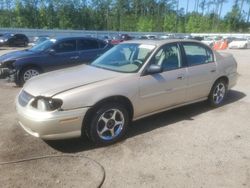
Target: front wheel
pixel 218 93
pixel 109 124
pixel 26 74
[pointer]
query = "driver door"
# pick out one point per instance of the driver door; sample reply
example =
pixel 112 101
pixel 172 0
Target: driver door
pixel 168 88
pixel 65 55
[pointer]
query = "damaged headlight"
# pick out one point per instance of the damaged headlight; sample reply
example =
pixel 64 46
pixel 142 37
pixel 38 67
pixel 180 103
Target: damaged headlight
pixel 47 104
pixel 9 64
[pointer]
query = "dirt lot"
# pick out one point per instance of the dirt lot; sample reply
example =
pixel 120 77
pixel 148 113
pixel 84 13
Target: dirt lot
pixel 193 146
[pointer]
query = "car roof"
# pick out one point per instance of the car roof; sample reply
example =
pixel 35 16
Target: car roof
pixel 156 42
pixel 63 38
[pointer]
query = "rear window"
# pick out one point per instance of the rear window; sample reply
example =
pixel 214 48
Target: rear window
pixel 197 54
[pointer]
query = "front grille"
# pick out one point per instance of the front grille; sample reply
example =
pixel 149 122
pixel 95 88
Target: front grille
pixel 24 98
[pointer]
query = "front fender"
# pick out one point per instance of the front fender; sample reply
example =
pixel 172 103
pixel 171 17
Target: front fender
pixel 89 95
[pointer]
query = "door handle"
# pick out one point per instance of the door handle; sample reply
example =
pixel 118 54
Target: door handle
pixel 74 57
pixel 213 70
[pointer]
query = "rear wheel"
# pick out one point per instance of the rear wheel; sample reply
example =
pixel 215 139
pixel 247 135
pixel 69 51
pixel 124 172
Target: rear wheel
pixel 218 93
pixel 108 124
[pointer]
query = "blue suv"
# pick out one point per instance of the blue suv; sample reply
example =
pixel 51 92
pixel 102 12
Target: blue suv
pixel 51 55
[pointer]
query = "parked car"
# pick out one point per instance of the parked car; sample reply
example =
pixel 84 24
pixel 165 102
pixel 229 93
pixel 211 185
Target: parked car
pixel 9 39
pixel 229 39
pixel 239 43
pixel 199 38
pixel 208 41
pixel 51 55
pixel 130 81
pixel 148 37
pixel 38 40
pixel 120 38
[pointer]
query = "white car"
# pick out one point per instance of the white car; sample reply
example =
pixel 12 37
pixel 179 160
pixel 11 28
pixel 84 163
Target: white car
pixel 208 41
pixel 239 43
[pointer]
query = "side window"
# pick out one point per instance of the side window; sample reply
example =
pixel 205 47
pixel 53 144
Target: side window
pixel 87 44
pixel 65 46
pixel 19 36
pixel 168 57
pixel 197 54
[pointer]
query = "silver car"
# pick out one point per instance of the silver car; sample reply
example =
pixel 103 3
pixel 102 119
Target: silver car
pixel 130 81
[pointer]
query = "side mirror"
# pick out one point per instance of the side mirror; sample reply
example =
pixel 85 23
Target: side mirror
pixel 153 69
pixel 52 52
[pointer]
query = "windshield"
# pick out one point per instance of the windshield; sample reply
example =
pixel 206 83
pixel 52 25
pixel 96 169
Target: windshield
pixel 7 35
pixel 126 58
pixel 47 44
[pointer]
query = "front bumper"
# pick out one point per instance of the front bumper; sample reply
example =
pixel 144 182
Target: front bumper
pixel 51 125
pixel 5 72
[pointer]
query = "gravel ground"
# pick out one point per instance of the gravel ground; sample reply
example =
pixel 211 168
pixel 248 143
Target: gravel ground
pixel 192 146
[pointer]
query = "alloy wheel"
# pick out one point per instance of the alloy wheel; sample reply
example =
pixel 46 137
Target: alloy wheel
pixel 110 124
pixel 29 74
pixel 219 93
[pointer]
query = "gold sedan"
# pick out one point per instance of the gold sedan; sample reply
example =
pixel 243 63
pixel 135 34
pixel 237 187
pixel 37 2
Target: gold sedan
pixel 130 81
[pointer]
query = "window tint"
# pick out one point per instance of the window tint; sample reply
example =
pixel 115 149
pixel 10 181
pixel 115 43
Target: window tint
pixel 197 54
pixel 168 57
pixel 87 44
pixel 66 46
pixel 19 36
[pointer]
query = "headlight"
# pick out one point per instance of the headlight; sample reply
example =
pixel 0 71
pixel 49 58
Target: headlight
pixel 1 40
pixel 9 64
pixel 47 104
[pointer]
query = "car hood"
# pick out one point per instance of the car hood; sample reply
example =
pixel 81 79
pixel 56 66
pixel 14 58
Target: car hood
pixel 15 55
pixel 55 82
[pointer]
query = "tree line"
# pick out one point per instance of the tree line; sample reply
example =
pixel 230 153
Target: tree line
pixel 126 15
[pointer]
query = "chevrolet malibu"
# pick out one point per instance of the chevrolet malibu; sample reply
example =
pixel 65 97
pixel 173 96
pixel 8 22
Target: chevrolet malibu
pixel 133 80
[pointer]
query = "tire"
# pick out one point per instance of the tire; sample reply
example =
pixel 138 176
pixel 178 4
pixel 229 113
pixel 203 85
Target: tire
pixel 26 74
pixel 108 124
pixel 218 93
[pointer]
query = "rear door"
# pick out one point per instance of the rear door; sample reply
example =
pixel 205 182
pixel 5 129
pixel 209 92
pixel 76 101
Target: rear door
pixel 88 49
pixel 166 89
pixel 201 70
pixel 19 39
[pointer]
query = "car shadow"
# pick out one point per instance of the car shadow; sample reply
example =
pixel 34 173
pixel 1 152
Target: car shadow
pixel 146 124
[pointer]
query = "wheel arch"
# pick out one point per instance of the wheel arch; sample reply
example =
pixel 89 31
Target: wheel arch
pixel 20 69
pixel 112 99
pixel 225 78
pixel 30 65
